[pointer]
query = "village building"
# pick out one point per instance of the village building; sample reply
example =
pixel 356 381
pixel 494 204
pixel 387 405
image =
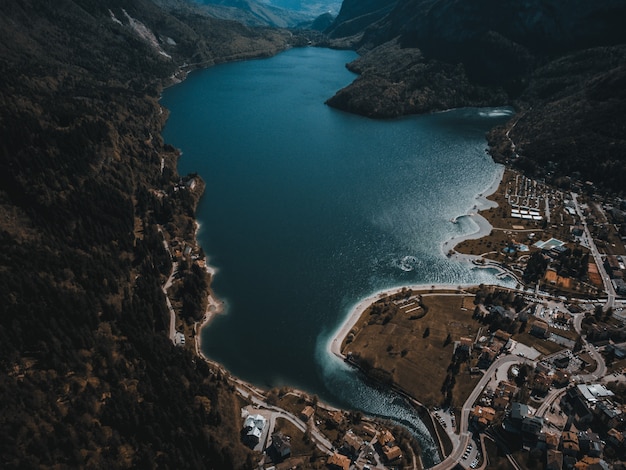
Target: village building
pixel 483 415
pixel 502 312
pixel 569 443
pixel 552 440
pixel 609 414
pixel 307 413
pixel 503 395
pixel 281 445
pixel 590 443
pixel 253 429
pixel 540 329
pixel 531 428
pixel 554 460
pixel 351 444
pixel 519 413
pixel 463 347
pixel 616 438
pixel 392 453
pixel 386 438
pixel 338 462
pixel 541 383
pixel 369 430
pixel 179 338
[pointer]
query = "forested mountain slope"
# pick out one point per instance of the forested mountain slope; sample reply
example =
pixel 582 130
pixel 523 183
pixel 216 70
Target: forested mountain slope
pixel 88 376
pixel 560 63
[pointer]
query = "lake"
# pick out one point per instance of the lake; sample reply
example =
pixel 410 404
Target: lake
pixel 308 209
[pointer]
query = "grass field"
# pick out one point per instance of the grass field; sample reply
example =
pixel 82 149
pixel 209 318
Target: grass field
pixel 411 349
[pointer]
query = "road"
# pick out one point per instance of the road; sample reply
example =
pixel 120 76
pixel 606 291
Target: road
pixel 606 280
pixel 553 395
pixel 247 391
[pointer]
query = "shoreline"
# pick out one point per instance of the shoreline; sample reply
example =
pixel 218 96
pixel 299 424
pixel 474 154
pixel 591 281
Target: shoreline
pixel 484 227
pixel 214 305
pixel 335 341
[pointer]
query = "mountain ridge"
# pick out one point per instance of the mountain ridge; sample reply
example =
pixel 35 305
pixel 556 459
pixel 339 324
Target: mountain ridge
pixel 427 55
pixel 87 193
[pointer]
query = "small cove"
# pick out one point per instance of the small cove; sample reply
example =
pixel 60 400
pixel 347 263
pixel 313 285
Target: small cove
pixel 307 210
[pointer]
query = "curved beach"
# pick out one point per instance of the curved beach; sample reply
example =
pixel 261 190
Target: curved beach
pixel 484 228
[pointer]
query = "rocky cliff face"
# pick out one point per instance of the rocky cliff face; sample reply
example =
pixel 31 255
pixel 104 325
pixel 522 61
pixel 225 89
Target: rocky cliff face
pixel 427 55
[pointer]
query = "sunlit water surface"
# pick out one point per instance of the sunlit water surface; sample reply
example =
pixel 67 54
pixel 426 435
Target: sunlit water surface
pixel 308 209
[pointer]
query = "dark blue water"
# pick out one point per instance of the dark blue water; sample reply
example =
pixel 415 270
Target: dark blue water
pixel 308 209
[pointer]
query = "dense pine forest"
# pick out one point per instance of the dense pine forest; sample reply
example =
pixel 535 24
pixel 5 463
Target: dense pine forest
pixel 89 377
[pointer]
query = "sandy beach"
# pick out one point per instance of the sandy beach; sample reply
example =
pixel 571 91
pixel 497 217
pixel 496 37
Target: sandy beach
pixel 484 228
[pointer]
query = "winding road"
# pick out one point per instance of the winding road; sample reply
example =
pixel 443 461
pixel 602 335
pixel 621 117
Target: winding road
pixel 606 280
pixel 464 434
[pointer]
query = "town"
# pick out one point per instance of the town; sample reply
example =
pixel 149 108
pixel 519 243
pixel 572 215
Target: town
pixel 541 362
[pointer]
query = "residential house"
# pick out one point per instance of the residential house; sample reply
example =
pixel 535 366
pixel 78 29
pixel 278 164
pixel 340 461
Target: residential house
pixel 531 427
pixel 541 383
pixel 307 413
pixel 369 430
pixel 351 444
pixel 554 460
pixel 561 361
pixel 561 378
pixel 483 415
pixel 609 414
pixel 552 440
pixel 336 417
pixel 386 438
pixel 253 429
pixel 540 329
pixel 616 438
pixel 281 445
pixel 590 463
pixel 392 453
pixel 569 443
pixel 611 264
pixel 501 403
pixel 502 336
pixel 463 347
pixel 590 443
pixel 338 462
